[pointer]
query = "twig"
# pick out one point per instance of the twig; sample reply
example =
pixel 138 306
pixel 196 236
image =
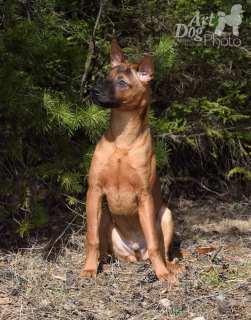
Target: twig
pixel 165 52
pixel 171 134
pixel 215 294
pixel 89 55
pixel 189 179
pixel 53 190
pixel 216 252
pixel 86 98
pixel 60 237
pixel 74 211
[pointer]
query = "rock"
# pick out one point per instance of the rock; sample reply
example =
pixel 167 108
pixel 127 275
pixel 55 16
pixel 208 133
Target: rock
pixel 165 303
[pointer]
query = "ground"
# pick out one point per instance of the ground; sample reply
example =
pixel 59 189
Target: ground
pixel 41 278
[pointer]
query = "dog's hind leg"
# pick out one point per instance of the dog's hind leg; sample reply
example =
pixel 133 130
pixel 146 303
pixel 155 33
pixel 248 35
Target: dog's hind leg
pixel 105 234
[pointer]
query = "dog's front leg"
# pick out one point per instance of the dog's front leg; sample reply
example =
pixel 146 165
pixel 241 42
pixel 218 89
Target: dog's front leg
pixel 147 216
pixel 93 213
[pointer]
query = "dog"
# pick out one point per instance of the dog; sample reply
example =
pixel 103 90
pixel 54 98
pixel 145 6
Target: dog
pixel 137 224
pixel 234 20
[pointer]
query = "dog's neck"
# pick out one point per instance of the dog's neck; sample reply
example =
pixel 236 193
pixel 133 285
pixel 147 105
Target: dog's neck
pixel 128 126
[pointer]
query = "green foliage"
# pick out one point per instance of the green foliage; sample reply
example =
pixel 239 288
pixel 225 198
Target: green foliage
pixel 246 174
pixel 94 121
pixel 204 105
pixel 25 226
pixel 162 153
pixel 165 55
pixel 46 139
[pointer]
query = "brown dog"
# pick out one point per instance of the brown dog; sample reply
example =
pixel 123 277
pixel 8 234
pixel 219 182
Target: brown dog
pixel 136 225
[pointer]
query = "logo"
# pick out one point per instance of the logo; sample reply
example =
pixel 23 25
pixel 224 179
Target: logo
pixel 194 34
pixel 233 20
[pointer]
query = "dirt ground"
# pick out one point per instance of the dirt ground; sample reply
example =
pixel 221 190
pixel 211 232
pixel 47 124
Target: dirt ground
pixel 40 278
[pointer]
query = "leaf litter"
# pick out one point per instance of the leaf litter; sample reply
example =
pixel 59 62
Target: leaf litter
pixel 216 285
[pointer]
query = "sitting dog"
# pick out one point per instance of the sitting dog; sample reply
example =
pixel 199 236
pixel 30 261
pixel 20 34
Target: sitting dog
pixel 136 225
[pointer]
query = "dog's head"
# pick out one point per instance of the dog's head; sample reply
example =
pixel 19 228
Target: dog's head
pixel 126 84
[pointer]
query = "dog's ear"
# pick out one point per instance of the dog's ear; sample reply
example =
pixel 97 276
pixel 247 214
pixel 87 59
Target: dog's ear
pixel 116 54
pixel 145 69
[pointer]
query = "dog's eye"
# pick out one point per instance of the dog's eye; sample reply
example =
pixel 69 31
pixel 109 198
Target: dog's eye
pixel 122 83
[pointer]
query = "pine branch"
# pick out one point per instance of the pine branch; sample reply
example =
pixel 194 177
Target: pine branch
pixel 75 31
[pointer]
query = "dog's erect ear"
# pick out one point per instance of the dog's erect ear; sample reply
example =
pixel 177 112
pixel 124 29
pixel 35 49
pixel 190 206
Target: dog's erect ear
pixel 145 69
pixel 116 54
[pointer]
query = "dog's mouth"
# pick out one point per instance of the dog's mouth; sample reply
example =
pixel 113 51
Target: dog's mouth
pixel 102 103
pixel 94 100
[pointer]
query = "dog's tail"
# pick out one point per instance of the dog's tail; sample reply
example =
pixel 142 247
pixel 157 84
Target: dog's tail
pixel 184 254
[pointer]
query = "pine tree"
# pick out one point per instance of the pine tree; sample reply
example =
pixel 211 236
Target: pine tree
pixel 46 140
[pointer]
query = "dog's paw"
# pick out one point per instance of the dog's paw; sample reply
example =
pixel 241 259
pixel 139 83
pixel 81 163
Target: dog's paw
pixel 88 273
pixel 131 258
pixel 169 278
pixel 176 269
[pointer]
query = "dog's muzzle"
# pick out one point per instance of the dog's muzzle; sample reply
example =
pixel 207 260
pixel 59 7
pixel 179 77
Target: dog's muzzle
pixel 100 95
pixel 96 91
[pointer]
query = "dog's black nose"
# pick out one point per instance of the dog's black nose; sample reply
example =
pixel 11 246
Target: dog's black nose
pixel 96 90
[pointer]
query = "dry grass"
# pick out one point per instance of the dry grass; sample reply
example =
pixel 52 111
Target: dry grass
pixel 216 286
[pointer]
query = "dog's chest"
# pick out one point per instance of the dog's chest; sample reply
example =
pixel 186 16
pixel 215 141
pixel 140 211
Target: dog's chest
pixel 121 170
pixel 122 181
